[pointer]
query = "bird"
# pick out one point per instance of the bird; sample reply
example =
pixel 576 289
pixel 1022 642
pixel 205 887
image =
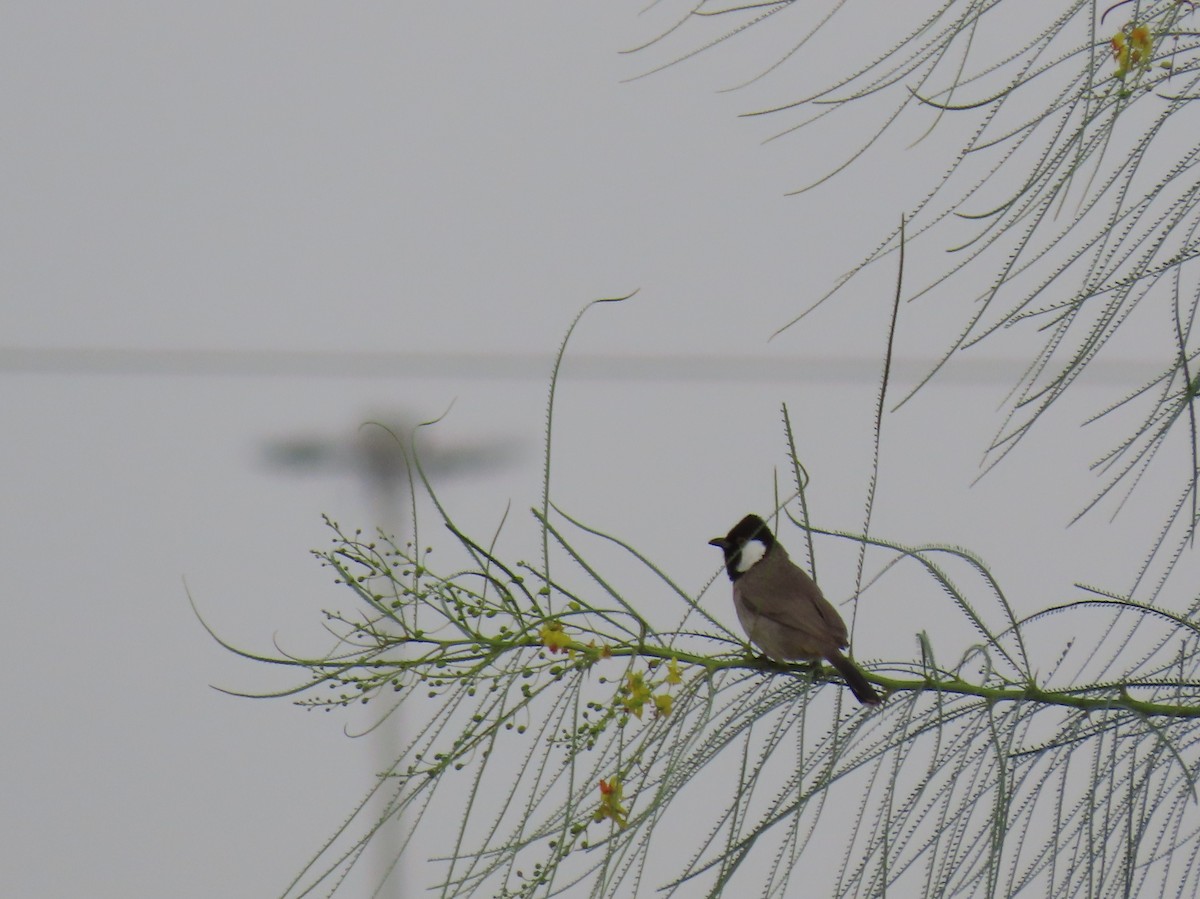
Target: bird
pixel 781 608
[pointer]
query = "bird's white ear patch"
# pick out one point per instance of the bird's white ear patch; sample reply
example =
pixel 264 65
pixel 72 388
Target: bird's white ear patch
pixel 751 553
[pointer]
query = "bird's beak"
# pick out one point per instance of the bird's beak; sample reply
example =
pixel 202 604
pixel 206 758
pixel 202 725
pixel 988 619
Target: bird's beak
pixel 719 542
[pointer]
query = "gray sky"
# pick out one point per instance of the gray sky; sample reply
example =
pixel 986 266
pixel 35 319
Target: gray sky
pixel 407 178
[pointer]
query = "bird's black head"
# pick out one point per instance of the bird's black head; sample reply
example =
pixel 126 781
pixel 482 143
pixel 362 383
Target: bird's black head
pixel 737 559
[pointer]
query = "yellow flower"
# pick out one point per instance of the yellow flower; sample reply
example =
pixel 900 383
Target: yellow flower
pixel 1131 47
pixel 1139 39
pixel 1120 52
pixel 673 675
pixel 662 704
pixel 554 638
pixel 637 693
pixel 610 803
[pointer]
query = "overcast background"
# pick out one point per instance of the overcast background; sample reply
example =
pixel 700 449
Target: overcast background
pixel 410 202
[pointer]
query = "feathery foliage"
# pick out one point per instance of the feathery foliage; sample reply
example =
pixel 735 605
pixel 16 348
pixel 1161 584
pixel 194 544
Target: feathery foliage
pixel 1071 210
pixel 586 749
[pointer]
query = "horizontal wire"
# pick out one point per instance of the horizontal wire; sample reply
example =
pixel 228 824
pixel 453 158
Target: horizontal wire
pixel 522 366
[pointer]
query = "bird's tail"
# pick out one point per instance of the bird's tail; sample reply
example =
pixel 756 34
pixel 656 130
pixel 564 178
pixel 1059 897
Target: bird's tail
pixel 859 686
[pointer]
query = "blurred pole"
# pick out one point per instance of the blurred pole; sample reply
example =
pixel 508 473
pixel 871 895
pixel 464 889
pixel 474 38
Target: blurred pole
pixel 375 454
pixel 382 470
